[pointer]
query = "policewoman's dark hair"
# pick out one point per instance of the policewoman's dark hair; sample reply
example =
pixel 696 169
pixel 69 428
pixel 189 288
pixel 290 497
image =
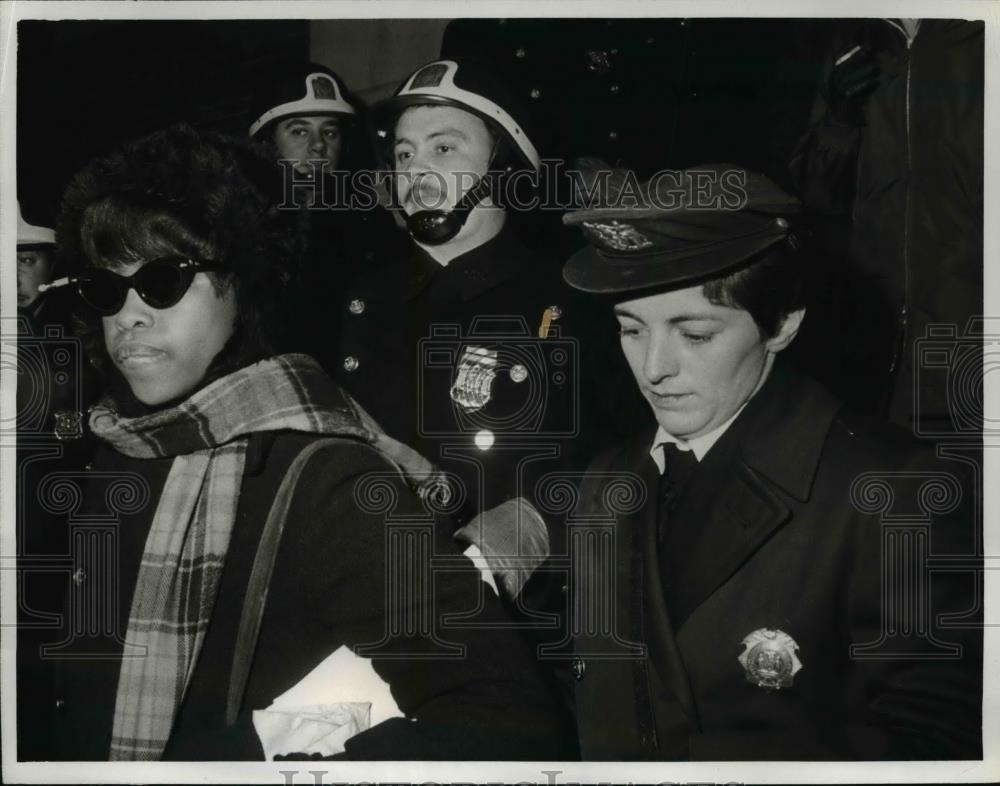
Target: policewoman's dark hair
pixel 770 287
pixel 184 192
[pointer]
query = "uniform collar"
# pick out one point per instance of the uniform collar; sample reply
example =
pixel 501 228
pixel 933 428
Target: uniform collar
pixel 474 272
pixel 781 431
pixel 699 445
pixel 787 425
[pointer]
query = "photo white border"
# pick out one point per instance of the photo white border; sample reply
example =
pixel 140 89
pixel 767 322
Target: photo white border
pixel 529 772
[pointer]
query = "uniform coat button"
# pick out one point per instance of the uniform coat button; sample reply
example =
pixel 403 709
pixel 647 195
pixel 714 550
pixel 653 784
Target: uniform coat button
pixel 579 668
pixel 357 306
pixel 79 576
pixel 350 363
pixel 60 703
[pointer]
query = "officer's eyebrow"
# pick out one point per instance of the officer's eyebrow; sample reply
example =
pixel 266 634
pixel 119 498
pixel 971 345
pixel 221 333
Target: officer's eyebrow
pixel 622 311
pixel 402 140
pixel 448 132
pixel 697 316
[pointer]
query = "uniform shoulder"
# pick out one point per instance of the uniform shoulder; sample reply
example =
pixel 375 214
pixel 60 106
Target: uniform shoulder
pixel 863 440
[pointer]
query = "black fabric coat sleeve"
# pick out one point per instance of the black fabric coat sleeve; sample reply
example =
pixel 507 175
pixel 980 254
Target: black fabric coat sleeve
pixel 363 564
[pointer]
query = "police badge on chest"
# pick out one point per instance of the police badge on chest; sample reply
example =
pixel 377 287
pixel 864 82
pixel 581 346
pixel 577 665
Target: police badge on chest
pixel 770 659
pixel 473 385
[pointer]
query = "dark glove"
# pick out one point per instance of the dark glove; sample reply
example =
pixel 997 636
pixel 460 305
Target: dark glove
pixel 854 77
pixel 513 539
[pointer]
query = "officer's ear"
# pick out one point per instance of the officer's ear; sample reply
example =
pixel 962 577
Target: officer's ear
pixel 786 333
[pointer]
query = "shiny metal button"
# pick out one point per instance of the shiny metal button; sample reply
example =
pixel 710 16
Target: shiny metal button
pixel 520 53
pixel 518 373
pixel 79 576
pixel 781 223
pixel 612 135
pixel 615 88
pixel 350 363
pixel 357 306
pixel 556 311
pixel 579 668
pixel 60 703
pixel 536 93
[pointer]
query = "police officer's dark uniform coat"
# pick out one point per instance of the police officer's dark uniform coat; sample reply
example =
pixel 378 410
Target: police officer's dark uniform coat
pixel 448 360
pixel 769 534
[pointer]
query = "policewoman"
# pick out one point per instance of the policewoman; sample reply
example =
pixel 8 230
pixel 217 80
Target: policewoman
pixel 756 525
pixel 466 347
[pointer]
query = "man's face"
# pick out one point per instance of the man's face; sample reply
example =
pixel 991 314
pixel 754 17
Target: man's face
pixel 311 142
pixel 164 353
pixel 33 268
pixel 695 362
pixel 439 153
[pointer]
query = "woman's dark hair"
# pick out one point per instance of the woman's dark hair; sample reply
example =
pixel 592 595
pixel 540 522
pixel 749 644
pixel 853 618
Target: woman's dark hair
pixel 189 193
pixel 770 287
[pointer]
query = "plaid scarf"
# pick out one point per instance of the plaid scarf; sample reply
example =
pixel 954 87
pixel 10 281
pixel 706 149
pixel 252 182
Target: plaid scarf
pixel 186 547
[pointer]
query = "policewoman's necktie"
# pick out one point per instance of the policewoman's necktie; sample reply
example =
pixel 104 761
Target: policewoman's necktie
pixel 679 465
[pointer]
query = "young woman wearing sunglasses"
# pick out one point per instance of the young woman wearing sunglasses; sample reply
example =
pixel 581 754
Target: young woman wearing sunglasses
pixel 260 532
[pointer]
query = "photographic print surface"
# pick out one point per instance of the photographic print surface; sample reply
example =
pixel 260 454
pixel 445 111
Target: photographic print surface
pixel 543 395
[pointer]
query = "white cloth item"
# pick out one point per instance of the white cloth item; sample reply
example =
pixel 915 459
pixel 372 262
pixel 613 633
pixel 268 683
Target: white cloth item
pixel 480 562
pixel 316 728
pixel 342 696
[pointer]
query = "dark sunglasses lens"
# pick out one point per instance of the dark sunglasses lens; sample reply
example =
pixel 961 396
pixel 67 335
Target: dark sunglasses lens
pixel 103 291
pixel 162 283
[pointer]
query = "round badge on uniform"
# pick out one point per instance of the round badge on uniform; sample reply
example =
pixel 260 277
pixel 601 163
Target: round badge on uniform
pixel 769 658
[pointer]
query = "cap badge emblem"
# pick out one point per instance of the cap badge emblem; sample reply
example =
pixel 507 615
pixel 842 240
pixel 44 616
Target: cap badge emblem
pixel 430 76
pixel 323 87
pixel 617 236
pixel 473 384
pixel 769 659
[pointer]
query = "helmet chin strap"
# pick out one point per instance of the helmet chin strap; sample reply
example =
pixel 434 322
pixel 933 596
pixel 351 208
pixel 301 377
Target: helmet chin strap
pixel 435 227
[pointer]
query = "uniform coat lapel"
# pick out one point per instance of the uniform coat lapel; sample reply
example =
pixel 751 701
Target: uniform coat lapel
pixel 735 502
pixel 668 672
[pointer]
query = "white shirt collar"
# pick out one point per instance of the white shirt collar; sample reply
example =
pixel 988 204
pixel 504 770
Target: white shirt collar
pixel 699 445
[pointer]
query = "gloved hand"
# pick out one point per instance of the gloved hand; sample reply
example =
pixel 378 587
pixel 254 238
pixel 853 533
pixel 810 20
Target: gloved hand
pixel 854 77
pixel 514 540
